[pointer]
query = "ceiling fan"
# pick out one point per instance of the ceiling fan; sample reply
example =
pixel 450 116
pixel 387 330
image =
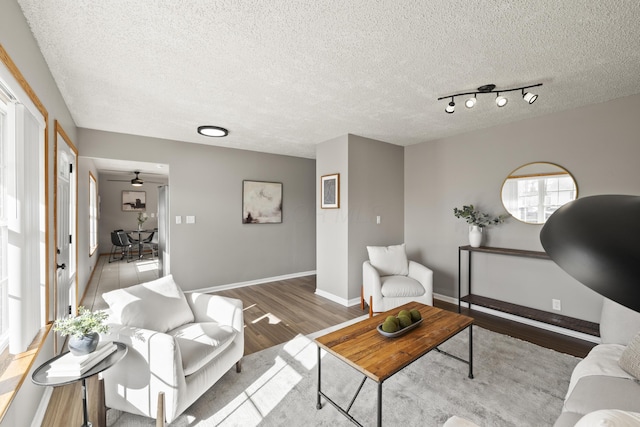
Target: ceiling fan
pixel 136 182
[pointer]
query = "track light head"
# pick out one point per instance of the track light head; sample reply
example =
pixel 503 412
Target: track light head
pixel 501 101
pixel 471 102
pixel 451 107
pixel 529 97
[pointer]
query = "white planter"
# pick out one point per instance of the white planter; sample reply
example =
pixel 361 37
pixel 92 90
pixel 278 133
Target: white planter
pixel 475 236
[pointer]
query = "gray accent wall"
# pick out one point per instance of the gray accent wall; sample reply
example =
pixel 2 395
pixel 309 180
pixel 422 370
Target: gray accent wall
pixel 598 144
pixel 206 182
pixel 371 185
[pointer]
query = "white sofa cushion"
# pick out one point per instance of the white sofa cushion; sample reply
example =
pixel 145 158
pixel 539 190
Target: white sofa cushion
pixel 400 286
pixel 601 360
pixel 630 358
pixel 158 305
pixel 618 324
pixel 389 260
pixel 200 343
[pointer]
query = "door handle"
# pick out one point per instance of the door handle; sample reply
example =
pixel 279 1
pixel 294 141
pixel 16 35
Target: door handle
pixel 62 266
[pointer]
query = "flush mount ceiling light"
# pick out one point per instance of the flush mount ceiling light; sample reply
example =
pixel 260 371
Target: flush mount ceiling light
pixel 213 131
pixel 501 100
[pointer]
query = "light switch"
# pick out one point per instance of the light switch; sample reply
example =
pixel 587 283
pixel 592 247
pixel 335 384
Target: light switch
pixel 178 219
pixel 191 219
pixel 378 219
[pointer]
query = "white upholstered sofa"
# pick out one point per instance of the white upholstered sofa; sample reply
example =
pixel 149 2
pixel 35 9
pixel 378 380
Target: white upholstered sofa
pixel 604 389
pixel 179 346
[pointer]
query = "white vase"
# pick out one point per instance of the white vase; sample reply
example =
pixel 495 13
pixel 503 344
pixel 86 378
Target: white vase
pixel 475 236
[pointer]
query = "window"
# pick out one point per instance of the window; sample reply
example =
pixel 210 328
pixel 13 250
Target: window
pixel 23 283
pixel 93 214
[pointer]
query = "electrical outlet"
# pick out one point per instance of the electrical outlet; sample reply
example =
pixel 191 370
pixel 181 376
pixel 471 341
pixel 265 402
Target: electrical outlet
pixel 556 305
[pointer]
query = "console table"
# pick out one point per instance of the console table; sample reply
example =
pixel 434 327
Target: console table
pixel 566 322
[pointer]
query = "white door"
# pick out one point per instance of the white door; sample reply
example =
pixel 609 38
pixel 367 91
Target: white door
pixel 66 185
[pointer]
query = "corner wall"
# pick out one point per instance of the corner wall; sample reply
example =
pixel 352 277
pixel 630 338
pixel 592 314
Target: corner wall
pixel 371 185
pixel 598 144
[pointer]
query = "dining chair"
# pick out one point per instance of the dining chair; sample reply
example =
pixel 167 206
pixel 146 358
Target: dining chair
pixel 117 244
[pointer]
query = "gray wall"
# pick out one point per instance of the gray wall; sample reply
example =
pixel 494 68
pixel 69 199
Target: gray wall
pixel 332 230
pixel 598 144
pixel 206 182
pixel 17 40
pixel 376 184
pixel 371 184
pixel 86 261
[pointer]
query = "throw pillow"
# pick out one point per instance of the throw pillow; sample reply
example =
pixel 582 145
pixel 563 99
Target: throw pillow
pixel 389 260
pixel 158 305
pixel 630 357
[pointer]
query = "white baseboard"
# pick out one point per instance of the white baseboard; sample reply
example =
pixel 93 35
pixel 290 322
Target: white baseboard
pixel 530 322
pixel 38 417
pixel 254 282
pixel 334 298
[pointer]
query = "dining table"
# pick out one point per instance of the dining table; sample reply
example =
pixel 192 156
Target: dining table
pixel 140 242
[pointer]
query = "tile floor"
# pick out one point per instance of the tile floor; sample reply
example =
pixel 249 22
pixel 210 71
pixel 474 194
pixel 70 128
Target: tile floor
pixel 115 275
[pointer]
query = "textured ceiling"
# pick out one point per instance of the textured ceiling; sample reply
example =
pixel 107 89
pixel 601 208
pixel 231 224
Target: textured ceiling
pixel 284 75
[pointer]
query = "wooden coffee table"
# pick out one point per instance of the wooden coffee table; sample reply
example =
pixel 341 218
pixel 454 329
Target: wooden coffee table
pixel 378 357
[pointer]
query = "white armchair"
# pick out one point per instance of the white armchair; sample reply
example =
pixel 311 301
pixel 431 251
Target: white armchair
pixel 179 346
pixel 389 280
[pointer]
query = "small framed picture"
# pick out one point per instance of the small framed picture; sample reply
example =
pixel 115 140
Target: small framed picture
pixel 134 201
pixel 261 202
pixel 330 191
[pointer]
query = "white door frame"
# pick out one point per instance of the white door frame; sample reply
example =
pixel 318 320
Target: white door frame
pixel 65 294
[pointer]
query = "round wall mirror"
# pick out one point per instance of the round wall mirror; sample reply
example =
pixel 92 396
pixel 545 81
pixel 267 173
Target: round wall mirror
pixel 532 192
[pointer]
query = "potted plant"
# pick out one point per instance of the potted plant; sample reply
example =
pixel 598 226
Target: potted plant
pixel 477 221
pixel 84 330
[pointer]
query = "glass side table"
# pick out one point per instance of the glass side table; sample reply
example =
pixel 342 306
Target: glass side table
pixel 40 377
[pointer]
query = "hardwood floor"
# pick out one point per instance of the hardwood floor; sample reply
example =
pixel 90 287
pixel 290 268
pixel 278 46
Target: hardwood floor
pixel 278 311
pixel 273 313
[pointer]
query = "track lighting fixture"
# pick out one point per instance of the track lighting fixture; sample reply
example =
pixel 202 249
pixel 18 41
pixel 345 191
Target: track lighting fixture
pixel 501 100
pixel 451 107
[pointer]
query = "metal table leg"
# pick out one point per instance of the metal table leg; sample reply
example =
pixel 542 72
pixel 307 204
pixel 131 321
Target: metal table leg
pixel 471 351
pixel 319 404
pixel 85 411
pixel 380 404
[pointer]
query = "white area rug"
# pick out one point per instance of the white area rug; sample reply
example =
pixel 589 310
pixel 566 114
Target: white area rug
pixel 516 384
